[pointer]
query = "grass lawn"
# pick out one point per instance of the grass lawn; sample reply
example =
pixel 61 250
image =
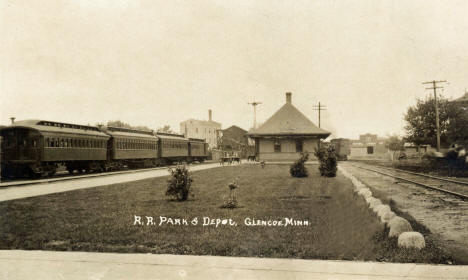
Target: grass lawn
pixel 102 219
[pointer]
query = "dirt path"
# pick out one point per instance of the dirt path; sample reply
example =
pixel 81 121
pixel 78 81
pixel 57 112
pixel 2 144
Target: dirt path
pixel 17 192
pixel 445 216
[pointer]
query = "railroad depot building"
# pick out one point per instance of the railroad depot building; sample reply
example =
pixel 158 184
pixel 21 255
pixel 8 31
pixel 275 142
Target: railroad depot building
pixel 286 134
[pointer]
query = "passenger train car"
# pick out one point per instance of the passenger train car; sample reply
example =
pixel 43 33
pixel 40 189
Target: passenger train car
pixel 36 147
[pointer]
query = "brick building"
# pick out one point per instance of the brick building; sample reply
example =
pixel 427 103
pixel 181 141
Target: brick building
pixel 234 139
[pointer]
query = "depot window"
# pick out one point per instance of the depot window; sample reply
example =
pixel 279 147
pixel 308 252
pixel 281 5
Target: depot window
pixel 299 145
pixel 277 147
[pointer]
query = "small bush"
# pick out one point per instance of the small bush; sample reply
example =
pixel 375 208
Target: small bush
pixel 328 161
pixel 298 169
pixel 178 185
pixel 231 202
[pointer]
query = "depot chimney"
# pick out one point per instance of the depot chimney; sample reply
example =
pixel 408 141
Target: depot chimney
pixel 209 115
pixel 288 97
pixel 12 120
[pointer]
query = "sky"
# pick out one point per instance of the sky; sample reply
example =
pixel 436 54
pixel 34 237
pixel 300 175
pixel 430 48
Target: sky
pixel 157 63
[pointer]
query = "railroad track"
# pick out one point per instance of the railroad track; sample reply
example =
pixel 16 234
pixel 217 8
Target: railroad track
pixel 445 185
pixel 16 183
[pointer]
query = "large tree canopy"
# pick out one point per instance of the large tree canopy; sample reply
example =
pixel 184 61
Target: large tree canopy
pixel 166 129
pixel 421 122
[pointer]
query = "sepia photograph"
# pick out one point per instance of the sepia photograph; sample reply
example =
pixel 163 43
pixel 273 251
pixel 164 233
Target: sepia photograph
pixel 251 139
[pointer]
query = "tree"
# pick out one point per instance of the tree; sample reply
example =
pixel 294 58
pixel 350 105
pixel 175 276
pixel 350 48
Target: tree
pixel 394 144
pixel 421 126
pixel 119 123
pixel 165 129
pixel 457 131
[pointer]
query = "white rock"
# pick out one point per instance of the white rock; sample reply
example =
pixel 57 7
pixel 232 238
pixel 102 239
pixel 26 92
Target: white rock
pixel 397 226
pixel 377 207
pixel 387 216
pixel 359 185
pixel 411 239
pixel 382 210
pixel 372 201
pixel 365 192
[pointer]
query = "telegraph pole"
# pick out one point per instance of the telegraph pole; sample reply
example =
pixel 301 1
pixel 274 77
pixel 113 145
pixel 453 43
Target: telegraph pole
pixel 319 108
pixel 435 87
pixel 254 104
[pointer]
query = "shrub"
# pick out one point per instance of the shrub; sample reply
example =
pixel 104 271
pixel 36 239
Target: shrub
pixel 178 185
pixel 298 169
pixel 328 161
pixel 231 202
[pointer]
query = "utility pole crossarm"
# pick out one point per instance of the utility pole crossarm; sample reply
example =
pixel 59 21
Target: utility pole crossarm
pixel 431 82
pixel 254 104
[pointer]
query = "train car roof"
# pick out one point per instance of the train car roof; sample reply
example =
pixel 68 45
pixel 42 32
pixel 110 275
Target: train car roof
pixel 197 140
pixel 172 137
pixel 57 127
pixel 132 133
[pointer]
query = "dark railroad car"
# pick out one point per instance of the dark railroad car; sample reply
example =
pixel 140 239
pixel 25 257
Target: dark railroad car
pixel 173 147
pixel 35 147
pixel 342 148
pixel 198 150
pixel 131 147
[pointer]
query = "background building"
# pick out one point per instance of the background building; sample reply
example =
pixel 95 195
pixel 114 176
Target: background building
pixel 207 130
pixel 286 134
pixel 368 145
pixel 234 140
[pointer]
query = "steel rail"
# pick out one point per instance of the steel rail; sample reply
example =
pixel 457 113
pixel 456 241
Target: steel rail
pixel 462 196
pixel 426 175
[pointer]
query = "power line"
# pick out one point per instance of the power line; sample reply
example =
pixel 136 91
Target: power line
pixel 435 87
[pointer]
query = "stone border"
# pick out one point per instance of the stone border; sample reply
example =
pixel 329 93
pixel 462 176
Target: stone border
pixel 399 227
